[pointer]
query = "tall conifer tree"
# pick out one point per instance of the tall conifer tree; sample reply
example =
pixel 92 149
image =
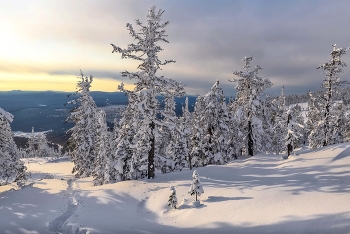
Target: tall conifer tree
pixel 249 105
pixel 325 129
pixel 148 84
pixel 83 138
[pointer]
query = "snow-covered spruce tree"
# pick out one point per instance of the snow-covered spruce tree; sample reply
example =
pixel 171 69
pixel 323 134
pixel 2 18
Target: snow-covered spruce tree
pixel 197 150
pixel 235 137
pixel 218 121
pixel 268 115
pixel 178 150
pixel 174 138
pixel 212 118
pixel 341 123
pixel 168 155
pixel 38 146
pixel 172 202
pixel 185 125
pixel 127 163
pixel 115 132
pixel 314 123
pixel 103 171
pixel 301 128
pixel 327 99
pixel 278 129
pixel 249 105
pixel 292 129
pixel 196 187
pixel 11 167
pixel 31 150
pixel 83 138
pixel 208 120
pixel 43 149
pixel 148 84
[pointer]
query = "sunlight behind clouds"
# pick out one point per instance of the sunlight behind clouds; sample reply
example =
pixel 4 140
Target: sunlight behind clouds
pixel 207 39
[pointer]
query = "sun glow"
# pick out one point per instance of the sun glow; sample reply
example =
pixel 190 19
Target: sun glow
pixel 43 81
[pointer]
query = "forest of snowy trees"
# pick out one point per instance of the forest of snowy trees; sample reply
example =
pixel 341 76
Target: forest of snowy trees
pixel 150 139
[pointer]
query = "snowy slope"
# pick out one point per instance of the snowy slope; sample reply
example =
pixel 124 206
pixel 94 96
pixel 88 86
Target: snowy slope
pixel 308 193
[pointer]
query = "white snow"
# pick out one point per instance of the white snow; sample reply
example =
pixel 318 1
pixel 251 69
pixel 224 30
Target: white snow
pixel 308 193
pixel 29 134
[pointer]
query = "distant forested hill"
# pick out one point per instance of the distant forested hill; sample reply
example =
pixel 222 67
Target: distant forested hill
pixel 46 110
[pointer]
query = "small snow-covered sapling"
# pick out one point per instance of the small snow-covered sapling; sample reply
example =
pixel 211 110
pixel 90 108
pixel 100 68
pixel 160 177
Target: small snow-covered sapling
pixel 196 187
pixel 172 202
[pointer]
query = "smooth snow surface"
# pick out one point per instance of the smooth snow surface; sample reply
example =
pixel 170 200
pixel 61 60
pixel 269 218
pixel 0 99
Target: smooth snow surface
pixel 307 193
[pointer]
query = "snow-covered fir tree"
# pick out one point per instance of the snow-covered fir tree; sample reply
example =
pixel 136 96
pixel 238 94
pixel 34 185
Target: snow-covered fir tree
pixel 83 138
pixel 291 128
pixel 172 202
pixel 324 130
pixel 148 85
pixel 177 149
pixel 267 118
pixel 31 150
pixel 314 123
pixel 185 126
pixel 43 147
pixel 207 120
pixel 127 163
pixel 11 167
pixel 211 128
pixel 235 141
pixel 341 123
pixel 301 126
pixel 196 188
pixel 168 155
pixel 103 171
pixel 278 129
pixel 115 132
pixel 249 106
pixel 197 149
pixel 215 121
pixel 38 146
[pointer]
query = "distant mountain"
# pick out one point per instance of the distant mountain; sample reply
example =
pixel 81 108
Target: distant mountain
pixel 46 110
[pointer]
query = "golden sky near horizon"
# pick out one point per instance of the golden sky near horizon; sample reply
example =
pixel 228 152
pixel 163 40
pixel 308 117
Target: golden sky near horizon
pixel 44 44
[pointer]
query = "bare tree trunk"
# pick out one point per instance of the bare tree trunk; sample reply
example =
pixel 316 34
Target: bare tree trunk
pixel 328 106
pixel 250 139
pixel 289 146
pixel 289 149
pixel 189 157
pixel 190 161
pixel 151 154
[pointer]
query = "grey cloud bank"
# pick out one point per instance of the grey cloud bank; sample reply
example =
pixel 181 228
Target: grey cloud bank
pixel 208 39
pixel 289 39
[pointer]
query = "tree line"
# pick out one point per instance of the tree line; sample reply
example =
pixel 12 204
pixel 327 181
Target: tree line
pixel 216 132
pixel 149 138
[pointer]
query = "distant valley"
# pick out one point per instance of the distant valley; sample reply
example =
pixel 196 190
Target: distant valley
pixel 46 110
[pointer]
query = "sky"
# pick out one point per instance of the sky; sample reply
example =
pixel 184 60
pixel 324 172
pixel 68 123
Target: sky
pixel 45 44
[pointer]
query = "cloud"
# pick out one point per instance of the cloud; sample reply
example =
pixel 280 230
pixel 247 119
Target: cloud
pixel 208 39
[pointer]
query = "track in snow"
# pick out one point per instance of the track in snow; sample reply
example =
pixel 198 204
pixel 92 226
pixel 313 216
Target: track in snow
pixel 58 225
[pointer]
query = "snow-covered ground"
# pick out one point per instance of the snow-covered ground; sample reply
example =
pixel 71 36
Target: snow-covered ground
pixel 29 134
pixel 308 193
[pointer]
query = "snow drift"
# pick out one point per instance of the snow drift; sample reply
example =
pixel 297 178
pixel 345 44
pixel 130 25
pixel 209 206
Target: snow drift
pixel 308 193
